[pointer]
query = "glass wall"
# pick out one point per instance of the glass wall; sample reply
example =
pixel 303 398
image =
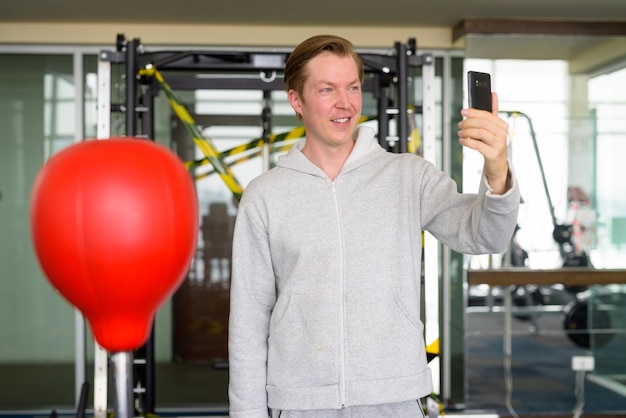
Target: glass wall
pixel 567 132
pixel 573 172
pixel 607 103
pixel 37 115
pixel 607 106
pixel 545 114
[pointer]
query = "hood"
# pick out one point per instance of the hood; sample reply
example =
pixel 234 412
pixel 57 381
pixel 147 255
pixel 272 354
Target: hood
pixel 365 148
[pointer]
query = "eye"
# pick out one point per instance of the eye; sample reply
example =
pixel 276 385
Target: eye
pixel 326 90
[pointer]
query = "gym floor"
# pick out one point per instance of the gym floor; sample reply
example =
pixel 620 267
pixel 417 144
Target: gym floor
pixel 541 376
pixel 542 379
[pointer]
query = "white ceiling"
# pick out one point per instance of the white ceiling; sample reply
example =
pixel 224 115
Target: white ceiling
pixel 299 12
pixel 381 13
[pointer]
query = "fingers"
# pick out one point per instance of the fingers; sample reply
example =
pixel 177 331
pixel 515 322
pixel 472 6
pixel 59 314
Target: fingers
pixel 482 126
pixel 487 133
pixel 484 132
pixel 494 103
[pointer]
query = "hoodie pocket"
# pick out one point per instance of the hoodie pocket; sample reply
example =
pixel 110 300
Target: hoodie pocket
pixel 385 335
pixel 303 341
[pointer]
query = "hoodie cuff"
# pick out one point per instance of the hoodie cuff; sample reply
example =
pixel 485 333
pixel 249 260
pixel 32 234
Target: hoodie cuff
pixel 511 184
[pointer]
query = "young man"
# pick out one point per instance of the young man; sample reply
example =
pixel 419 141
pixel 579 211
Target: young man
pixel 325 314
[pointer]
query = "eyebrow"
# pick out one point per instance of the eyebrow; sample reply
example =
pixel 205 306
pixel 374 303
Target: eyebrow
pixel 356 81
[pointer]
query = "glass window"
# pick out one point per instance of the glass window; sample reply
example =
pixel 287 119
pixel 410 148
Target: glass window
pixel 37 326
pixel 536 109
pixel 574 125
pixel 608 107
pixel 608 311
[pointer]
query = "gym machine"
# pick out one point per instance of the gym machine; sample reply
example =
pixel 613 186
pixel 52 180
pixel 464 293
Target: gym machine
pixel 386 77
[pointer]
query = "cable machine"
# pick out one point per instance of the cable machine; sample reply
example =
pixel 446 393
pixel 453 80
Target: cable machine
pixel 386 77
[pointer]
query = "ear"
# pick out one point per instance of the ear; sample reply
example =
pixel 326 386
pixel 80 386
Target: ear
pixel 295 101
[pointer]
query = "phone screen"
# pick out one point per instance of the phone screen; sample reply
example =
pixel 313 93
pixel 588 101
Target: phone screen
pixel 479 87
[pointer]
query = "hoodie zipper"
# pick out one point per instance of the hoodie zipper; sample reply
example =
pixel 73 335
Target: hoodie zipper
pixel 342 310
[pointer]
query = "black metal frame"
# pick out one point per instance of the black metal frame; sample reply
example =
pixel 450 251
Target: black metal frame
pixel 384 73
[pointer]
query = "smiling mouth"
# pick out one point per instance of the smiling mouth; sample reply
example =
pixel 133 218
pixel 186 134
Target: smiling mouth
pixel 341 120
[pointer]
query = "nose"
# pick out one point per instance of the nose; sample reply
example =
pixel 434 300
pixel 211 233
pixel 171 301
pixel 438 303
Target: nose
pixel 343 100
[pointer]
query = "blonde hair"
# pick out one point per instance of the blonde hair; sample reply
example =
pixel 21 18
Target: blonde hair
pixel 296 66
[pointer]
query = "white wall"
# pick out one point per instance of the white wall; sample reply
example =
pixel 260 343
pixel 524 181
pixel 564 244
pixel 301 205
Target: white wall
pixel 229 35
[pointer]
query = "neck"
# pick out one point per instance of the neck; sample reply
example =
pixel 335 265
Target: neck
pixel 329 159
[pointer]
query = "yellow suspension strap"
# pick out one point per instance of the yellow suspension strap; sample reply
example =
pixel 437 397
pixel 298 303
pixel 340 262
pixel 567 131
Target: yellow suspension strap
pixel 247 157
pixel 432 350
pixel 254 144
pixel 204 143
pixel 415 139
pixel 257 144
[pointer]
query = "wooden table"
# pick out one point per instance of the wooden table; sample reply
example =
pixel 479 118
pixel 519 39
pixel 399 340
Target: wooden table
pixel 572 276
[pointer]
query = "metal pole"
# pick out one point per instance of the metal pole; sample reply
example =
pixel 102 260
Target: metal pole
pixel 266 120
pixel 147 115
pixel 80 355
pixel 131 87
pixel 539 162
pixel 446 286
pixel 383 118
pixel 144 359
pixel 402 87
pixel 431 245
pixel 100 387
pixel 543 173
pixel 121 369
pixel 80 363
pixel 149 369
pixel 149 375
pixel 508 347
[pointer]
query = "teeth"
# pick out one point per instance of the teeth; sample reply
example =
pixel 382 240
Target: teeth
pixel 341 120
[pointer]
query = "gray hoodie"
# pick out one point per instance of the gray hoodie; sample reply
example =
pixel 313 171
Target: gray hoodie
pixel 325 291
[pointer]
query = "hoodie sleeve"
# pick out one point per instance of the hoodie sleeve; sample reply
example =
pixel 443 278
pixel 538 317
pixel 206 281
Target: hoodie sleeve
pixel 481 223
pixel 252 298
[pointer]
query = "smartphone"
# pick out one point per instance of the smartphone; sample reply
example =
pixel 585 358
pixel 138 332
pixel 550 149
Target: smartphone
pixel 479 87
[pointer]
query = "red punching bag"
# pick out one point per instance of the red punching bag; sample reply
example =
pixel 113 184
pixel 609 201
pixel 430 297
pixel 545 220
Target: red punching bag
pixel 114 225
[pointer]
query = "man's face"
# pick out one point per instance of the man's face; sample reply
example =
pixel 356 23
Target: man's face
pixel 331 102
